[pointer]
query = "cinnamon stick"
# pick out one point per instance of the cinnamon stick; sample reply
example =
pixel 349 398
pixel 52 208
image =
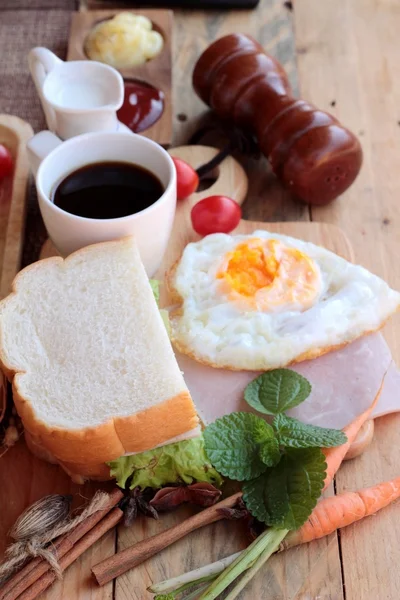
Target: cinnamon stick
pixel 122 561
pixel 37 567
pixel 45 581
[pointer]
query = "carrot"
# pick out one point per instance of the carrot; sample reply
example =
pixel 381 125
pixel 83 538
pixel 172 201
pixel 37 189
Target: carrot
pixel 339 511
pixel 334 456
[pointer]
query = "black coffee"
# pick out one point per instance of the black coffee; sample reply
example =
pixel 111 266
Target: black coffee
pixel 107 190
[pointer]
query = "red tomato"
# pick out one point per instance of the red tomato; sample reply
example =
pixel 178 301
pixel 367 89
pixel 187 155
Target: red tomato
pixel 187 180
pixel 215 214
pixel 6 162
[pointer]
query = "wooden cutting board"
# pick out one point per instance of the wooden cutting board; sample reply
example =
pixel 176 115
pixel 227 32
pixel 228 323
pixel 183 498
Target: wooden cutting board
pixel 25 478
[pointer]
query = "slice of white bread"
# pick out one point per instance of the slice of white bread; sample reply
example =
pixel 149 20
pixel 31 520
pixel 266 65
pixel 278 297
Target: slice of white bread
pixel 94 375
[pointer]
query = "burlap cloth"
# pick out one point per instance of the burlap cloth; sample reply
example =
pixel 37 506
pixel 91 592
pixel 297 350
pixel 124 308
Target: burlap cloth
pixel 21 30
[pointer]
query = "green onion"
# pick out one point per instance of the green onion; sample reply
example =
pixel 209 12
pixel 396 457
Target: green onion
pixel 268 542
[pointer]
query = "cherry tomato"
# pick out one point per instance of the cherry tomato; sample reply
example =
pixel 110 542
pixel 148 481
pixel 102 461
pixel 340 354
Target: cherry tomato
pixel 6 162
pixel 187 180
pixel 215 214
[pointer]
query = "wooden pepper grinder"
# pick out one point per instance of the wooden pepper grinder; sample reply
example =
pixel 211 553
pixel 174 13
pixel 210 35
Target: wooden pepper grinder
pixel 309 150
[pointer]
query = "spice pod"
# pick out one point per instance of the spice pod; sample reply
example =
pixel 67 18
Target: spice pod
pixel 309 150
pixel 147 107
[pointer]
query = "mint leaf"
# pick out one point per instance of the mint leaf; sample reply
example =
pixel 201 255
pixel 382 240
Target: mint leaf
pixel 270 453
pixel 303 473
pixel 262 431
pixel 155 286
pixel 285 495
pixel 294 434
pixel 232 447
pixel 254 498
pixel 275 391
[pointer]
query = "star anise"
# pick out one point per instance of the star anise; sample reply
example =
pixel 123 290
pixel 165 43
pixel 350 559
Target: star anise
pixel 150 504
pixel 239 511
pixel 201 494
pixel 137 501
pixel 253 526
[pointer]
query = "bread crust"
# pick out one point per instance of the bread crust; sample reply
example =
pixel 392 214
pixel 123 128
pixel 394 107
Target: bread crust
pixel 156 424
pixel 114 438
pixel 78 473
pixel 84 451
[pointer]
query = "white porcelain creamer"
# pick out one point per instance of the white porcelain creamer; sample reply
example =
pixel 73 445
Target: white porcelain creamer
pixel 77 97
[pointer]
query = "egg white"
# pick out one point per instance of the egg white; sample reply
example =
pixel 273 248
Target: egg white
pixel 215 330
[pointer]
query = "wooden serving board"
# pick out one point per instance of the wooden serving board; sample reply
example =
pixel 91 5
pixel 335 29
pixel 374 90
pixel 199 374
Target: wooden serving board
pixel 299 569
pixel 156 72
pixel 14 133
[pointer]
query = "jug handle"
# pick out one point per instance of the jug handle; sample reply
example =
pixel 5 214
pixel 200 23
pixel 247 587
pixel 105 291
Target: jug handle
pixel 39 146
pixel 41 62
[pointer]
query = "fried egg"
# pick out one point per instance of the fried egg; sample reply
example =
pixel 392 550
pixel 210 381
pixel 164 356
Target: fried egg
pixel 265 300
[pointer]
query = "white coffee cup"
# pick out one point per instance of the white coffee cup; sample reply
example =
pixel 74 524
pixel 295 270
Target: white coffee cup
pixel 53 160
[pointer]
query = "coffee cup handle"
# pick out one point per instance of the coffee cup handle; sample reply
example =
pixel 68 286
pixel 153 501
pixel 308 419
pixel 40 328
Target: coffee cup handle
pixel 41 62
pixel 39 146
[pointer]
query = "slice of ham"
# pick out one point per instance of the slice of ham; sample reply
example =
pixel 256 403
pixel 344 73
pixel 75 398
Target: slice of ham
pixel 344 383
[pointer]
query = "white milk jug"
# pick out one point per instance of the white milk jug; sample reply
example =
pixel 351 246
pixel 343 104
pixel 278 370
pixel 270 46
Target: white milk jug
pixel 77 97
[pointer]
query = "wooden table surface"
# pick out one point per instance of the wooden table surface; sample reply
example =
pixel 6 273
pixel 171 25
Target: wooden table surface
pixel 344 56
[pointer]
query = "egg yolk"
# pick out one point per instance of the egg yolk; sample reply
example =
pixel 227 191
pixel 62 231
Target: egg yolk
pixel 268 275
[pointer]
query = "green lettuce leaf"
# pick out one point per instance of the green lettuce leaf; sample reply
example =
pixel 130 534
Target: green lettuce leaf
pixel 275 391
pixel 155 286
pixel 182 462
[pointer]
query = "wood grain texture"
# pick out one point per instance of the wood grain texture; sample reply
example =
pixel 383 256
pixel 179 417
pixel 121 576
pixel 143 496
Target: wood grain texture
pixel 348 55
pixel 14 133
pixel 230 177
pixel 156 72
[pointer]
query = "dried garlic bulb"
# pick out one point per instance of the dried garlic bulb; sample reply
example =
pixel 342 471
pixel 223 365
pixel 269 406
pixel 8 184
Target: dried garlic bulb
pixel 41 516
pixel 127 40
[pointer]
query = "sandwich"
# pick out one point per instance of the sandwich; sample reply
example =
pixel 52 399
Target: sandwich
pixel 95 380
